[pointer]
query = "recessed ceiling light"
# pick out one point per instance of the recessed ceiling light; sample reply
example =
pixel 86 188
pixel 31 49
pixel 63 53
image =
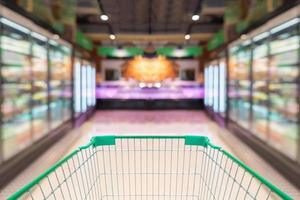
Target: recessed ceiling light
pixel 244 37
pixel 104 17
pixel 195 17
pixel 56 37
pixel 187 36
pixel 112 36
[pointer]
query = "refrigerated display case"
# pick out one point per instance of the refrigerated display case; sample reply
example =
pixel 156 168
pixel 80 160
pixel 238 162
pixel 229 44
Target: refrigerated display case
pixel 275 85
pixel 84 87
pixel 84 84
pixel 93 81
pixel 239 83
pixel 77 86
pixel 206 86
pixel 260 69
pixel 222 87
pixel 16 87
pixel 284 87
pixel 215 88
pixel 56 84
pixel 25 55
pixel 67 84
pixel 60 83
pixel 40 121
pixel 210 85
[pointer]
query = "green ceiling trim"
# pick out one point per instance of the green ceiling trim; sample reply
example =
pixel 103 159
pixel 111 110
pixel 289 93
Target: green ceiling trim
pixel 165 51
pixel 217 40
pixel 83 41
pixel 119 52
pixel 173 52
pixel 135 51
pixel 195 51
pixel 241 26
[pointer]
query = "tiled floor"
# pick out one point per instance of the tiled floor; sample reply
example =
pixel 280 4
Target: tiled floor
pixel 149 122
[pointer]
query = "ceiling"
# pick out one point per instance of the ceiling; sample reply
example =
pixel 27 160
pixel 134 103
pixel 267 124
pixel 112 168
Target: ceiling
pixel 150 20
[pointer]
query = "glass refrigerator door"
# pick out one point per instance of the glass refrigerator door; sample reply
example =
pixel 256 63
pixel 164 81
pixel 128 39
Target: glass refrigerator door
pixel 89 86
pixel 210 86
pixel 260 68
pixel 77 87
pixel 83 88
pixel 206 86
pixel 283 87
pixel 57 67
pixel 16 87
pixel 222 87
pixel 67 84
pixel 40 85
pixel 239 84
pixel 94 86
pixel 216 88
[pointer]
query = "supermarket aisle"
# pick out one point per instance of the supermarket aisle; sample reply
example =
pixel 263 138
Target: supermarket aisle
pixel 149 122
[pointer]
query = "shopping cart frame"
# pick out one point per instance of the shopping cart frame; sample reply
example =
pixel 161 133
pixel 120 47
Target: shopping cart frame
pixel 189 140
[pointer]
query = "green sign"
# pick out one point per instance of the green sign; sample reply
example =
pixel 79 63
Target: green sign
pixel 217 40
pixel 120 52
pixel 83 41
pixel 180 52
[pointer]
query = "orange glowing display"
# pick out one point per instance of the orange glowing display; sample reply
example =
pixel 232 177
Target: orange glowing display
pixel 150 70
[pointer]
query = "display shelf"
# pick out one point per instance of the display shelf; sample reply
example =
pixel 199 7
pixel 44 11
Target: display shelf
pixel 275 86
pixel 16 139
pixel 283 134
pixel 56 113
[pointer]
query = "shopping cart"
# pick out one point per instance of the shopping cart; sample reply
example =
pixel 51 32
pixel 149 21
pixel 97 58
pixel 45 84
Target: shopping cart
pixel 150 167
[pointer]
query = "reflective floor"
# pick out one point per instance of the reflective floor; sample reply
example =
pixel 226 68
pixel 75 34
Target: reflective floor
pixel 149 122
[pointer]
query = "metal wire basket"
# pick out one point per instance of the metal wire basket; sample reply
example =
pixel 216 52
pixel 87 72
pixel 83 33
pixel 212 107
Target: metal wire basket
pixel 150 167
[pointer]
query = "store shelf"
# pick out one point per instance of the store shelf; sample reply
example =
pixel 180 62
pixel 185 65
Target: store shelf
pixel 275 86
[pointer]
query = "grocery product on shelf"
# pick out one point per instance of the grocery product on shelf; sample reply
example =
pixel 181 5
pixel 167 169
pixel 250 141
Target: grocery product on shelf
pixel 283 87
pixel 260 76
pixel 239 84
pixel 16 87
pixel 40 87
pixel 25 62
pixel 274 84
pixel 60 80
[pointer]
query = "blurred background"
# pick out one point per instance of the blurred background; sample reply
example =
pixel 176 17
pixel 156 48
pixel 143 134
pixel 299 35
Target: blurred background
pixel 209 65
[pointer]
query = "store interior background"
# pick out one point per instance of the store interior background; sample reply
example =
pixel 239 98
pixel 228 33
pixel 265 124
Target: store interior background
pixel 62 60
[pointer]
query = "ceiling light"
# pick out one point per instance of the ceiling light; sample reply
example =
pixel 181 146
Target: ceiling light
pixel 179 53
pixel 56 37
pixel 121 53
pixel 112 36
pixel 142 85
pixel 195 17
pixel 244 37
pixel 157 85
pixel 104 17
pixel 14 25
pixel 187 36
